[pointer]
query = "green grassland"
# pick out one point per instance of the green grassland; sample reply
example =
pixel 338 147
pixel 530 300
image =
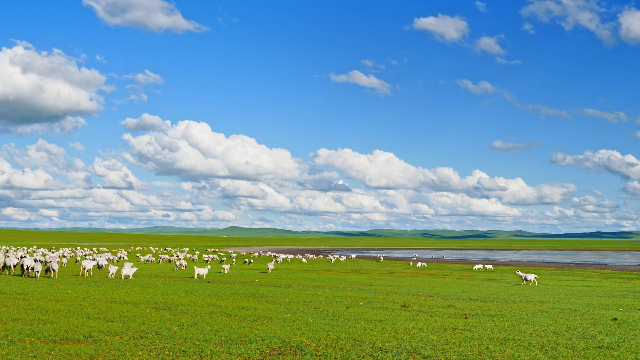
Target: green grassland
pixel 52 238
pixel 356 309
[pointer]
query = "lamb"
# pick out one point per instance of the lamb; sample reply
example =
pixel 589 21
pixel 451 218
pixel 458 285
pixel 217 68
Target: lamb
pixel 201 271
pixel 488 267
pixel 270 266
pixel 87 266
pixel 64 262
pixel 225 268
pixel 112 271
pixel 304 261
pixel 37 269
pixel 128 271
pixel 528 277
pixel 478 267
pixel 52 268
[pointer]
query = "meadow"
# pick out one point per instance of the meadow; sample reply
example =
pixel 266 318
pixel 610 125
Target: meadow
pixel 346 310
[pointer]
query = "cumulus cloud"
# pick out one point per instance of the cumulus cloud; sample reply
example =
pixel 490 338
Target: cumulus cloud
pixel 191 150
pixel 630 25
pixel 612 117
pixel 593 205
pixel 384 170
pixel 569 14
pixel 443 27
pixel 44 91
pixel 367 81
pixel 611 161
pixel 490 44
pixel 154 15
pixel 115 175
pixel 482 87
pixel 146 122
pixel 506 146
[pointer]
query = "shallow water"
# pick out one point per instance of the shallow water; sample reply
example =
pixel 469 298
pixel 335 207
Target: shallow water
pixel 576 257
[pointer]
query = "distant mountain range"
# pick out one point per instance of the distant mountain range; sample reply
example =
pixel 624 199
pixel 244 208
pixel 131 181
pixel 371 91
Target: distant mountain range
pixel 235 231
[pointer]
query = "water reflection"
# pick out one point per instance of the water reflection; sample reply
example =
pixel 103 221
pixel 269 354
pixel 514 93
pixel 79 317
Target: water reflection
pixel 577 257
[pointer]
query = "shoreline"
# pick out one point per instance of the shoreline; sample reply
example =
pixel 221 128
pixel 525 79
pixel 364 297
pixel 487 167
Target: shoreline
pixel 325 250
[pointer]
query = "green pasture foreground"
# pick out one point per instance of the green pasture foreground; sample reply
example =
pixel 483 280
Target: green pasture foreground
pixel 357 309
pixel 66 239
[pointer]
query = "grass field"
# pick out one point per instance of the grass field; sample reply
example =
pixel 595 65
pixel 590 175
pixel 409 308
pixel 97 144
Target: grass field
pixel 348 310
pixel 46 238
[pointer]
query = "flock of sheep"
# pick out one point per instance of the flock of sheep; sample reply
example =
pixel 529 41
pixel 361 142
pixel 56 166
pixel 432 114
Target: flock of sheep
pixel 31 261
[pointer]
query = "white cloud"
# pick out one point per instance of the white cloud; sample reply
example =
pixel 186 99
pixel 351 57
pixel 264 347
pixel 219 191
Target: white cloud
pixel 528 28
pixel 147 77
pixel 569 13
pixel 542 110
pixel 625 166
pixel 490 45
pixel 630 25
pixel 46 91
pixel 482 7
pixel 368 62
pixel 593 205
pixel 367 81
pixel 506 146
pixel 146 122
pixel 482 87
pixel 503 61
pixel 100 58
pixel 76 145
pixel 154 15
pixel 115 175
pixel 613 117
pixel 444 28
pixel 191 150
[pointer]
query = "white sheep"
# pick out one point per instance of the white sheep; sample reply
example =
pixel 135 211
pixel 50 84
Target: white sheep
pixel 421 264
pixel 64 262
pixel 52 268
pixel 112 271
pixel 304 261
pixel 87 266
pixel 488 267
pixel 528 277
pixel 128 272
pixel 201 271
pixel 271 266
pixel 225 268
pixel 478 267
pixel 37 269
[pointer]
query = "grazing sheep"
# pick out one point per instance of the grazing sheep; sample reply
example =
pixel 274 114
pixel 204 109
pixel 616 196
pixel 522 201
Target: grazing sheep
pixel 478 267
pixel 488 267
pixel 225 268
pixel 64 262
pixel 410 263
pixel 271 266
pixel 304 261
pixel 421 264
pixel 528 277
pixel 128 272
pixel 251 262
pixel 201 271
pixel 10 263
pixel 87 266
pixel 246 261
pixel 52 268
pixel 37 269
pixel 112 271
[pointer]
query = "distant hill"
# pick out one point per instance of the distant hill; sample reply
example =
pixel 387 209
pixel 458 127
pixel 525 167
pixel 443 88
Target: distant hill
pixel 236 231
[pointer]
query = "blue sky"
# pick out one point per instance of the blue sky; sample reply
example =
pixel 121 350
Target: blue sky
pixel 333 115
